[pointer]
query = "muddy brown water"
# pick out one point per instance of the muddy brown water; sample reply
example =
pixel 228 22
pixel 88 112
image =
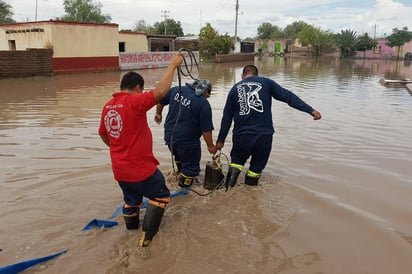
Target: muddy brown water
pixel 334 198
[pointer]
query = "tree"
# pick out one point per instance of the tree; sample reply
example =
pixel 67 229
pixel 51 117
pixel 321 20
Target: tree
pixel 398 38
pixel 84 11
pixel 211 43
pixel 268 31
pixel 6 13
pixel 365 43
pixel 291 31
pixel 224 44
pixel 168 27
pixel 315 37
pixel 142 26
pixel 347 41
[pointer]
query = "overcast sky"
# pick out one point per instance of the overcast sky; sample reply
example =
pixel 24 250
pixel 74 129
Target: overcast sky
pixel 373 17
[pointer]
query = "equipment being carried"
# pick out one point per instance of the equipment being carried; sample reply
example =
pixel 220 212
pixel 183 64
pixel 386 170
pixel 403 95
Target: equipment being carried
pixel 213 173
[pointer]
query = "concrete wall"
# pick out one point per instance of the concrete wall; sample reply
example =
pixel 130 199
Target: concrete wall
pixel 76 46
pixel 84 40
pixel 25 36
pixel 144 60
pixel 406 48
pixel 134 41
pixel 236 57
pixel 383 51
pixel 269 45
pixel 23 63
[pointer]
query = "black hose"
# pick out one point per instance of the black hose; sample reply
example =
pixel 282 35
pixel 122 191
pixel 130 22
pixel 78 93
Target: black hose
pixel 187 71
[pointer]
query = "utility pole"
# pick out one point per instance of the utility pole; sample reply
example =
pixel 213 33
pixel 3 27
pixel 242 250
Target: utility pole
pixel 35 16
pixel 164 14
pixel 200 25
pixel 237 13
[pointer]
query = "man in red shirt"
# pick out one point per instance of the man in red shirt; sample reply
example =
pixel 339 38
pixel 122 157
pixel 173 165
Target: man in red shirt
pixel 124 128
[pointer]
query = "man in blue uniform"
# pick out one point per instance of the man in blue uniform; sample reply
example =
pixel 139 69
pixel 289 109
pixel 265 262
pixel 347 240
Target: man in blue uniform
pixel 249 105
pixel 189 118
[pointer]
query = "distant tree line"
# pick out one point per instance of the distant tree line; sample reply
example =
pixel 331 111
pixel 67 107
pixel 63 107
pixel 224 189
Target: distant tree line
pixel 211 42
pixel 6 13
pixel 320 40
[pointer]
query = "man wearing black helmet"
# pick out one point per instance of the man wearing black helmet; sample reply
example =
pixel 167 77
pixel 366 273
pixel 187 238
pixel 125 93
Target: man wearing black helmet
pixel 189 117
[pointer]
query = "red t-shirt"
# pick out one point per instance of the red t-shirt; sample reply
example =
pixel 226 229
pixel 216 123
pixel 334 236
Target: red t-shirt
pixel 124 121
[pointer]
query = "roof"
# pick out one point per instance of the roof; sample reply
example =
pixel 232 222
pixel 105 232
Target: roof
pixel 57 22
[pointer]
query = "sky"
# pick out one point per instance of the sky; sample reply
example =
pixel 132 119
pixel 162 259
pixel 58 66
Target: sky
pixel 377 18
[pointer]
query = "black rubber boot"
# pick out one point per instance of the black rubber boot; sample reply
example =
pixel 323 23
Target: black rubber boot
pixel 132 221
pixel 179 167
pixel 231 177
pixel 251 181
pixel 151 224
pixel 185 181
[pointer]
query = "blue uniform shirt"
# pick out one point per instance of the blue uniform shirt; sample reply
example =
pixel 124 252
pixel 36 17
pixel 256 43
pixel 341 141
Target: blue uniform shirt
pixel 249 104
pixel 194 116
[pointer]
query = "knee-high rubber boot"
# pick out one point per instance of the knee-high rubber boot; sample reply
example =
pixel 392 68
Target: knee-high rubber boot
pixel 132 221
pixel 151 224
pixel 251 178
pixel 179 167
pixel 185 181
pixel 231 178
pixel 251 181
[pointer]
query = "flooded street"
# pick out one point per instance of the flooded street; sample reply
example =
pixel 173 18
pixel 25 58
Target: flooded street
pixel 335 196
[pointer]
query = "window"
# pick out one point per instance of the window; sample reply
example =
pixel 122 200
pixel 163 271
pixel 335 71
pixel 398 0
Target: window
pixel 122 46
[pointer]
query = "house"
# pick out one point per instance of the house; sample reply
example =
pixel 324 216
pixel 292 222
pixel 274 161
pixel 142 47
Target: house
pixel 133 41
pixel 273 46
pixel 383 51
pixel 77 47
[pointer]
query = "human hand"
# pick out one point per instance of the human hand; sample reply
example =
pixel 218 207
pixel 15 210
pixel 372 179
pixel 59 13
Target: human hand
pixel 212 149
pixel 316 115
pixel 176 60
pixel 158 118
pixel 219 146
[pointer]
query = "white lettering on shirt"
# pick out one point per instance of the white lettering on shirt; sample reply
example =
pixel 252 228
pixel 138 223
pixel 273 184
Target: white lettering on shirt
pixel 183 101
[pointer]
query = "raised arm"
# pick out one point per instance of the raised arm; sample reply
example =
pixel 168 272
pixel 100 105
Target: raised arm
pixel 163 86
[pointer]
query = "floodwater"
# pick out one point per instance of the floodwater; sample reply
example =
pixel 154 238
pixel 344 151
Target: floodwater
pixel 334 198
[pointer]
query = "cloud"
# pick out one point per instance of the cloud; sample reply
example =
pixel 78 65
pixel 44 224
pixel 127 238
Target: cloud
pixel 379 16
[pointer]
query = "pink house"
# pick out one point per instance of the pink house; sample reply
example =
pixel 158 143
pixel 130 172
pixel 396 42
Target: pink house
pixel 383 51
pixel 406 48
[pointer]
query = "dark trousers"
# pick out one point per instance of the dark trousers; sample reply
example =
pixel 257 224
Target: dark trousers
pixel 189 158
pixel 258 147
pixel 152 188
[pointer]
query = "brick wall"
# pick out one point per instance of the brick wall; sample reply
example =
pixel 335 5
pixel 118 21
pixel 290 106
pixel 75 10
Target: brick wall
pixel 24 63
pixel 236 57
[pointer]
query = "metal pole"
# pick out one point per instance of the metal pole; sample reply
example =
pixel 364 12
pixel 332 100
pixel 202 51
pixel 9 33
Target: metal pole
pixel 35 16
pixel 237 13
pixel 165 12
